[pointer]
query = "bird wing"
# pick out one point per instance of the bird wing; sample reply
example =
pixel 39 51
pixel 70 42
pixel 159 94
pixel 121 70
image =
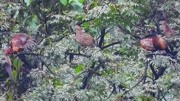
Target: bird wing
pixel 29 43
pixel 147 44
pixel 88 39
pixel 22 41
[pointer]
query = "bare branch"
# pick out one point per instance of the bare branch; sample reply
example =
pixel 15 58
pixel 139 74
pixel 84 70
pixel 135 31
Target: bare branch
pixel 111 44
pixel 78 54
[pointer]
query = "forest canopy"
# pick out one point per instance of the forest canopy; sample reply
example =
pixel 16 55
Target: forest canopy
pixel 89 50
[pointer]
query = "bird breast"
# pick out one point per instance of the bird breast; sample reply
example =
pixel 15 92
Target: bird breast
pixel 159 43
pixel 84 39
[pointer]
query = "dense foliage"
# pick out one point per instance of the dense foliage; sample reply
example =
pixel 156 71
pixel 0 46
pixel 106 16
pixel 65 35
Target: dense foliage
pixel 57 68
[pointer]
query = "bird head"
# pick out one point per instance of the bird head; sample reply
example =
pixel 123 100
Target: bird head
pixel 78 28
pixel 16 44
pixel 153 32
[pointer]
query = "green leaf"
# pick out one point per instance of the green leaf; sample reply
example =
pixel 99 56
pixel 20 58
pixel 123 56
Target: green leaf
pixel 70 1
pixel 121 1
pixel 79 68
pixel 16 14
pixel 57 83
pixel 82 1
pixel 77 6
pixel 33 23
pixel 107 36
pixel 28 2
pixel 79 1
pixel 14 74
pixel 9 96
pixel 64 2
pixel 144 98
pixel 139 99
pixel 86 25
pixel 107 72
pixel 128 28
pixel 17 63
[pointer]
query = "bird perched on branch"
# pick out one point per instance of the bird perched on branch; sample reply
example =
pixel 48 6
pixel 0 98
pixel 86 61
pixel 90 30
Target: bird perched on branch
pixel 19 42
pixel 159 42
pixel 83 38
pixel 147 44
pixel 154 43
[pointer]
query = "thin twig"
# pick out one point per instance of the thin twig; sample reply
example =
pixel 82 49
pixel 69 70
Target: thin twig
pixel 103 33
pixel 92 71
pixel 78 54
pixel 162 94
pixel 37 55
pixel 111 44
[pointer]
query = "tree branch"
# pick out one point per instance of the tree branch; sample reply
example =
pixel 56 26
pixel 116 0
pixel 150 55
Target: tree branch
pixel 111 44
pixel 159 73
pixel 78 54
pixel 128 32
pixel 89 76
pixel 39 59
pixel 91 72
pixel 103 33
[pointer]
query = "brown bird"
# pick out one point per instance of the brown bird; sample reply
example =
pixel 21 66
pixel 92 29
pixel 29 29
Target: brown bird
pixel 166 28
pixel 21 41
pixel 18 43
pixel 147 44
pixel 154 43
pixel 158 41
pixel 83 38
